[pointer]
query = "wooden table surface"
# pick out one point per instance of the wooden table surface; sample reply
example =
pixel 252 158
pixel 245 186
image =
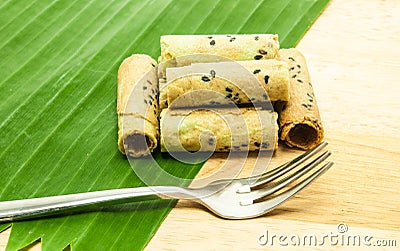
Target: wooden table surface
pixel 353 54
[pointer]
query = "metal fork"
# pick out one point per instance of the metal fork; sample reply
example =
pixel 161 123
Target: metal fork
pixel 230 199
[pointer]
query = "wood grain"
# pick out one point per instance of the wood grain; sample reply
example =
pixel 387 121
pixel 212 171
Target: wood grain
pixel 353 57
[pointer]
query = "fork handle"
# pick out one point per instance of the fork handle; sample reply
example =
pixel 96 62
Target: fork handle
pixel 57 205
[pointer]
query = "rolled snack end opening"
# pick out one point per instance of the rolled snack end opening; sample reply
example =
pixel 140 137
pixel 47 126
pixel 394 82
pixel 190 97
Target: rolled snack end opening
pixel 137 145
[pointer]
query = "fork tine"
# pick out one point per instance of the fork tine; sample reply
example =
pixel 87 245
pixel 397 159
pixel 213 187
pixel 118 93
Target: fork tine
pixel 265 191
pixel 279 171
pixel 270 204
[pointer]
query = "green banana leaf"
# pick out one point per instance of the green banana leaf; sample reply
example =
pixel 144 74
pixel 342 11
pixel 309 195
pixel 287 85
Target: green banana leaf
pixel 58 65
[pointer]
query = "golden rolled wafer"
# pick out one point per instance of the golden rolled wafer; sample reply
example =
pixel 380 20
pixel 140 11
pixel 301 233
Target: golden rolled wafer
pixel 137 105
pixel 235 80
pixel 299 120
pixel 245 129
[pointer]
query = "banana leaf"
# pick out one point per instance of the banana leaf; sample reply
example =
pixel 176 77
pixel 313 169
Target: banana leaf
pixel 58 125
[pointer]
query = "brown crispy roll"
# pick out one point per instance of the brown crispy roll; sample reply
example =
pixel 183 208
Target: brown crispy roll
pixel 137 106
pixel 299 120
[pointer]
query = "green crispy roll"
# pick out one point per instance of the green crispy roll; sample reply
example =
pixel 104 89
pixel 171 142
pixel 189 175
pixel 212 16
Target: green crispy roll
pixel 234 80
pixel 234 47
pixel 175 48
pixel 137 106
pixel 219 130
pixel 299 120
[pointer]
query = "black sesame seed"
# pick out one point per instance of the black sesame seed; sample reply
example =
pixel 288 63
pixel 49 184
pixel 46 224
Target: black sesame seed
pixel 235 98
pixel 299 80
pixel 226 147
pixel 306 106
pixel 291 59
pixel 266 78
pixel 205 79
pixel 292 68
pixel 256 38
pixel 153 65
pixel 228 89
pixel 144 87
pixel 209 37
pixel 151 97
pixel 212 72
pixel 257 144
pixel 152 91
pixel 236 147
pixel 236 94
pixel 145 101
pixel 211 141
pixel 315 121
pixel 298 72
pixel 252 99
pixel 258 57
pixel 212 42
pixel 166 103
pixel 148 81
pixel 155 113
pixel 294 76
pixel 232 39
pixel 256 71
pixel 264 145
pixel 150 102
pixel 298 66
pixel 265 96
pixel 262 52
pixel 308 94
pixel 311 100
pixel 244 145
pixel 229 95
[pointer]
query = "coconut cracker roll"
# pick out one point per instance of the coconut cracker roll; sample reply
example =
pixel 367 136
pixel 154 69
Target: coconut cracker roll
pixel 234 47
pixel 137 105
pixel 299 120
pixel 245 129
pixel 235 80
pixel 174 48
